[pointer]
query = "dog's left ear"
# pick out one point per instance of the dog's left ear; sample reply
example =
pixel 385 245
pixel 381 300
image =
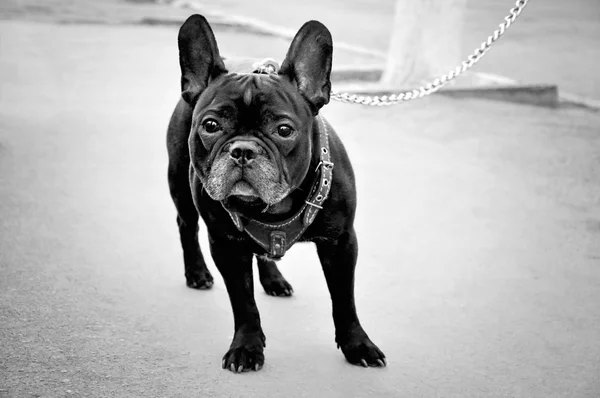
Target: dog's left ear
pixel 308 63
pixel 199 57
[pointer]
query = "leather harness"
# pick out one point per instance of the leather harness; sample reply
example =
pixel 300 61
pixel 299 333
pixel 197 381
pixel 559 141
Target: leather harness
pixel 277 238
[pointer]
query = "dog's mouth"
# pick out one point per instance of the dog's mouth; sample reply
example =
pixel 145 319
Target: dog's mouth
pixel 244 191
pixel 244 197
pixel 259 183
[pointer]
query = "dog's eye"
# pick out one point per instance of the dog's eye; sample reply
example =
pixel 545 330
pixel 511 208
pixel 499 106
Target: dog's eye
pixel 284 130
pixel 211 126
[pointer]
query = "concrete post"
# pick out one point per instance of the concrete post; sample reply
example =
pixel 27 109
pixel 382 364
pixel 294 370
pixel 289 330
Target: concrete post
pixel 425 41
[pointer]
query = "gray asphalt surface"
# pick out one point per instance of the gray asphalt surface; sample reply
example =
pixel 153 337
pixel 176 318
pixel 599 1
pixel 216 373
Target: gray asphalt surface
pixel 478 223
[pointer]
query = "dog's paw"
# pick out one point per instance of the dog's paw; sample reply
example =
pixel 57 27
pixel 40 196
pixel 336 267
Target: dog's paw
pixel 199 279
pixel 271 279
pixel 360 350
pixel 276 285
pixel 248 355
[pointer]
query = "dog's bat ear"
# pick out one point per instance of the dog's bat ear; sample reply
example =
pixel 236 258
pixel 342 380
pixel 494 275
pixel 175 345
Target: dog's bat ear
pixel 199 57
pixel 308 63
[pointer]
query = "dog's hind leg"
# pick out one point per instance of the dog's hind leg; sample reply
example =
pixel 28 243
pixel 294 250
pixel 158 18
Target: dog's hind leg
pixel 196 273
pixel 271 278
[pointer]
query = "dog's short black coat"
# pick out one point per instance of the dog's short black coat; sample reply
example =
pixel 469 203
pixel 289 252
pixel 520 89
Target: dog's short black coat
pixel 227 149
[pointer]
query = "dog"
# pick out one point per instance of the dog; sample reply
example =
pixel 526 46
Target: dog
pixel 250 153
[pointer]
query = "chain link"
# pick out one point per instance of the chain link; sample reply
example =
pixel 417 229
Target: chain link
pixel 440 82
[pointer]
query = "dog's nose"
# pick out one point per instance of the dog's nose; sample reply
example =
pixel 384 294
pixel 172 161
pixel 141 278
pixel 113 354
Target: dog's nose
pixel 243 152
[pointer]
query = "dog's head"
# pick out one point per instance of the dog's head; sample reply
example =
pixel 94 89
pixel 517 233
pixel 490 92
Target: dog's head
pixel 251 134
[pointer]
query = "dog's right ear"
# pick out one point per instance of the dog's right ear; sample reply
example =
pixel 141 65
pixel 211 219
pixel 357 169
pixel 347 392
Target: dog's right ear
pixel 199 57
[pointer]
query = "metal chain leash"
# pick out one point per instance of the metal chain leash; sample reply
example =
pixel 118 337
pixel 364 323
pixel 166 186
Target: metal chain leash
pixel 440 82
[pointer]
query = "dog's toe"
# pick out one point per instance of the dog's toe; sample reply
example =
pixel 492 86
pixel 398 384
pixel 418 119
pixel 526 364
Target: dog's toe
pixel 199 280
pixel 278 287
pixel 241 359
pixel 363 352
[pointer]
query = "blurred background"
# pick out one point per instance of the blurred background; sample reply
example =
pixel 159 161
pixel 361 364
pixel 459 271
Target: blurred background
pixel 478 219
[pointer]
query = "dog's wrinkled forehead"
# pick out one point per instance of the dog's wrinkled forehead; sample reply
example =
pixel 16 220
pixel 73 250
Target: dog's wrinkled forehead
pixel 254 92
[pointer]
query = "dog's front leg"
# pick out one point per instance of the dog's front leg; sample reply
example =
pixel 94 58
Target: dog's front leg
pixel 234 262
pixel 338 259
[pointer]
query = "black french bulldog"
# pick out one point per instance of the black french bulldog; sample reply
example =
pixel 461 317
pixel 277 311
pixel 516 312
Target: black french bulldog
pixel 251 155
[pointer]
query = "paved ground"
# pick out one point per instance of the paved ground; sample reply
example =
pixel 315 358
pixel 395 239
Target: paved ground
pixel 479 225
